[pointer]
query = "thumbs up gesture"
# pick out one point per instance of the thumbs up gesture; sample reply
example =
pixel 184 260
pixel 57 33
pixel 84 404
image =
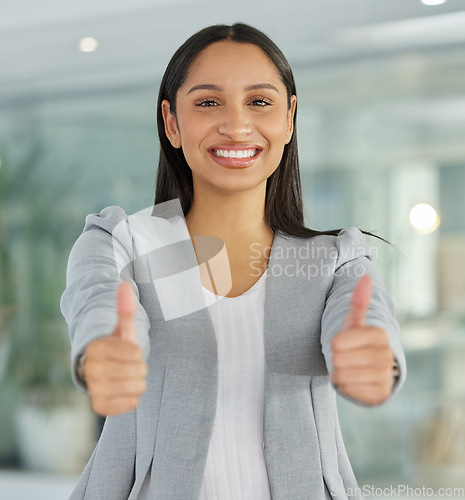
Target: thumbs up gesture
pixel 362 358
pixel 114 369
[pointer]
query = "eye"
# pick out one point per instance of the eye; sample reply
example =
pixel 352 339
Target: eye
pixel 206 103
pixel 261 102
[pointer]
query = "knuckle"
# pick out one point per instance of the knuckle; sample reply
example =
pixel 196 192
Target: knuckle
pixel 97 391
pixel 379 375
pixel 131 387
pixel 132 348
pixel 142 386
pixel 384 356
pixel 381 335
pixel 94 372
pixel 131 403
pixel 389 356
pixel 91 369
pixel 137 352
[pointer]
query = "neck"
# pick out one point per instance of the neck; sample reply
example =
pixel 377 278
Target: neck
pixel 233 217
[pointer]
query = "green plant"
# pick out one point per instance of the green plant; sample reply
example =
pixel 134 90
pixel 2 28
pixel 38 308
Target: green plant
pixel 32 274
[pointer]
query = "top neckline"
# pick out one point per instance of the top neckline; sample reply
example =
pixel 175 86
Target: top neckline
pixel 254 287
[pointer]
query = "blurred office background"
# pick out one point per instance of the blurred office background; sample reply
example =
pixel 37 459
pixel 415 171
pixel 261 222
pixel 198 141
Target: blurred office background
pixel 381 126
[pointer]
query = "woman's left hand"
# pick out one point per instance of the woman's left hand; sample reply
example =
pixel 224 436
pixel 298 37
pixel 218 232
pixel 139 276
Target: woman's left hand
pixel 362 357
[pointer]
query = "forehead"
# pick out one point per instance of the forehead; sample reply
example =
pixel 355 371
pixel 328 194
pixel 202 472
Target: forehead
pixel 232 62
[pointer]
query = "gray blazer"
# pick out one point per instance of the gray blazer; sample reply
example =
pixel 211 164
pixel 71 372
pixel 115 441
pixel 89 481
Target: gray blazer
pixel 159 450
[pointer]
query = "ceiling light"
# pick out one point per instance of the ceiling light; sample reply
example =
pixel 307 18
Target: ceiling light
pixel 424 218
pixel 88 44
pixel 433 2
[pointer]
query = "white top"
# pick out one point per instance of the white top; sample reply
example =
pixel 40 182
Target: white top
pixel 235 468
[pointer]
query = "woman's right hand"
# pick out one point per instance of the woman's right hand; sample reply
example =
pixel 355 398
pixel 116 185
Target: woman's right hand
pixel 114 369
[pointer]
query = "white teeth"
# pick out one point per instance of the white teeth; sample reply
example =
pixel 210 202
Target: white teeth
pixel 242 153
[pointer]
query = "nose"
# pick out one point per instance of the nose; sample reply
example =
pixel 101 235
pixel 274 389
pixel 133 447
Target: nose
pixel 235 123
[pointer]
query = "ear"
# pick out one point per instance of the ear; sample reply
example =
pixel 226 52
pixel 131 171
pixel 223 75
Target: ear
pixel 290 119
pixel 171 125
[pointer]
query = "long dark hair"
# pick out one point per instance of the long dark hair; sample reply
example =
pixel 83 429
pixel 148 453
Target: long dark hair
pixel 283 202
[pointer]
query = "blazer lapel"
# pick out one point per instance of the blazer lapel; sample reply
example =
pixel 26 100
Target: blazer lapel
pixel 175 417
pixel 295 296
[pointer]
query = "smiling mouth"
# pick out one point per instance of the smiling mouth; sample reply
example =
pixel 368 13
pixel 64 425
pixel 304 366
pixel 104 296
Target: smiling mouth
pixel 235 153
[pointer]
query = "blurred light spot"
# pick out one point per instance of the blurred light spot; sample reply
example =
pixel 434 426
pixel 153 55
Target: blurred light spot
pixel 433 2
pixel 424 218
pixel 88 44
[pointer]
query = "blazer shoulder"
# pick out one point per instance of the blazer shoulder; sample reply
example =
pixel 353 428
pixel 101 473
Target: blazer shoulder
pixel 105 235
pixel 352 244
pixel 349 244
pixel 108 218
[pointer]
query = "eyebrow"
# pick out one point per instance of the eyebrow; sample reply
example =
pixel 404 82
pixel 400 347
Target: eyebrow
pixel 255 86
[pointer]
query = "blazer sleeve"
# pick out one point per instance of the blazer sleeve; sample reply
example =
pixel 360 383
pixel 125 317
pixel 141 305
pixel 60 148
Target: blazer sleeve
pixel 99 261
pixel 353 260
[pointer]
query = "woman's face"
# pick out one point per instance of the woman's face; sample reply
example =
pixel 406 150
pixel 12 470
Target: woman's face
pixel 232 118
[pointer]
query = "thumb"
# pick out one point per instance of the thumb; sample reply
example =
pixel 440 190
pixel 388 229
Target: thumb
pixel 126 306
pixel 359 303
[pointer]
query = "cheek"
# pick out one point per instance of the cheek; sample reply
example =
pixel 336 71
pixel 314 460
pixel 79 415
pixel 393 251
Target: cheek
pixel 194 129
pixel 274 129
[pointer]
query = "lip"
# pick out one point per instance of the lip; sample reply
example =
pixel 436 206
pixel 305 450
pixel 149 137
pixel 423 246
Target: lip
pixel 235 162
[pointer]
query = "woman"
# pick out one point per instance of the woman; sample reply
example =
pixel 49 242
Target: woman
pixel 218 380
